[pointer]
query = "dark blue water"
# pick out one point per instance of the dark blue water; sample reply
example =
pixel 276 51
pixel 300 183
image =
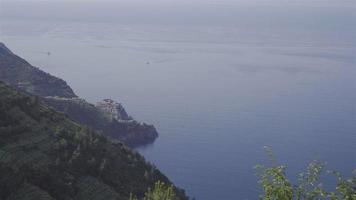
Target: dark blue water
pixel 217 93
pixel 301 120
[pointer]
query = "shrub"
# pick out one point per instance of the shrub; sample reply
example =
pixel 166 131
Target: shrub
pixel 160 192
pixel 276 186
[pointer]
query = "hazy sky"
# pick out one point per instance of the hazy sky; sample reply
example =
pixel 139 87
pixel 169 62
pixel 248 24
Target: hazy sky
pixel 321 2
pixel 302 14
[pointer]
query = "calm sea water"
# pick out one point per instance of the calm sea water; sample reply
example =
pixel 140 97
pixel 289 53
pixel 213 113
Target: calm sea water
pixel 217 94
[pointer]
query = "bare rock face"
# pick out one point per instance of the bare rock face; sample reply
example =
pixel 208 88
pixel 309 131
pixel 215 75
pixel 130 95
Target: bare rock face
pixel 113 110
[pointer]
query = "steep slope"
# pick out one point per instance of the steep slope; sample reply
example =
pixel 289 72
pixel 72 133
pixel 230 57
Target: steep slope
pixel 45 155
pixel 19 73
pixel 56 93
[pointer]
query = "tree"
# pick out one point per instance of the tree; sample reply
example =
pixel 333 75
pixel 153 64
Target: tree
pixel 160 192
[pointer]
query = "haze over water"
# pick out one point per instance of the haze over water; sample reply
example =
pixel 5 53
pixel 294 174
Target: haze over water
pixel 219 79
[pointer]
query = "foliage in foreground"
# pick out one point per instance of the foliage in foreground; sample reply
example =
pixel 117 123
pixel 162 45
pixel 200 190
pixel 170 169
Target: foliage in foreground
pixel 160 192
pixel 276 185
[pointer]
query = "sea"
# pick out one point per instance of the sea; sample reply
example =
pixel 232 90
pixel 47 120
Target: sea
pixel 220 82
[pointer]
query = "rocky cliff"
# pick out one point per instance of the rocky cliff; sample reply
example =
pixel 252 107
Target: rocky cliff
pixel 127 130
pixel 113 110
pixel 108 116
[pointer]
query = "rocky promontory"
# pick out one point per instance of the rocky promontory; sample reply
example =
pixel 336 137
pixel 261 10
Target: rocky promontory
pixel 113 110
pixel 111 120
pixel 107 116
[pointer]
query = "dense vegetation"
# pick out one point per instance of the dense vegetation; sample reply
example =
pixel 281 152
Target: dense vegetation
pixel 45 155
pixel 55 92
pixel 276 186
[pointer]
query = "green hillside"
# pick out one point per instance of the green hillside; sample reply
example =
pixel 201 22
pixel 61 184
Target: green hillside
pixel 45 155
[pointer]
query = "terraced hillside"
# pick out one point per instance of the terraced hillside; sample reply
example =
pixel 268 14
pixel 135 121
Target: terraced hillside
pixel 45 155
